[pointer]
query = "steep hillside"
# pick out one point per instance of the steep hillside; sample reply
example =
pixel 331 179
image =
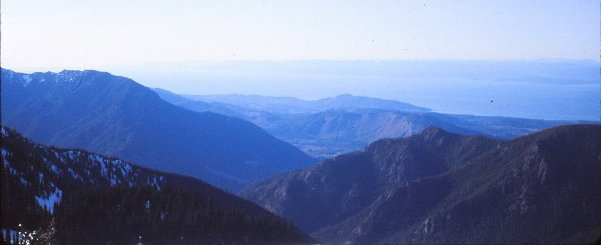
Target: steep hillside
pixel 90 197
pixel 438 187
pixel 116 116
pixel 197 105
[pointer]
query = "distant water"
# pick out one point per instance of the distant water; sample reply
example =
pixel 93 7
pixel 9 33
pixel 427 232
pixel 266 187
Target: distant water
pixel 508 98
pixel 568 90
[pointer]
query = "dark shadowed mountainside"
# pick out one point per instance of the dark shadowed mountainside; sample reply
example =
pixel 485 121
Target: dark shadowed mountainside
pixel 440 187
pixel 116 116
pixel 88 198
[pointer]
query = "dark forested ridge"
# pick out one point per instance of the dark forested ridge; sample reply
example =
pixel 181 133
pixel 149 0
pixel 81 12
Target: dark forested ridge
pixel 172 215
pixel 439 187
pixel 77 197
pixel 116 116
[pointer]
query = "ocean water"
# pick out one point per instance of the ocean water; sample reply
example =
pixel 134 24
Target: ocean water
pixel 565 90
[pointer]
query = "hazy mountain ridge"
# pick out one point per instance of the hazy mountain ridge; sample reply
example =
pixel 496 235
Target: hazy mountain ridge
pixel 116 116
pixel 290 105
pixel 540 89
pixel 438 187
pixel 340 129
pixel 197 105
pixel 43 183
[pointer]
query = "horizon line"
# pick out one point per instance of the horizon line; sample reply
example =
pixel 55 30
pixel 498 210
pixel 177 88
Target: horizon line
pixel 105 67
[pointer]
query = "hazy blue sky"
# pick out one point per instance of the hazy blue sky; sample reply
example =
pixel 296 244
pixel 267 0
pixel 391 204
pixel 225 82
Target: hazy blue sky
pixel 59 34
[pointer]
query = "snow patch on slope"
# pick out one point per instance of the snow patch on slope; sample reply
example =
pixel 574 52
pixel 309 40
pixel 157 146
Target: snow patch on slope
pixel 48 202
pixel 26 79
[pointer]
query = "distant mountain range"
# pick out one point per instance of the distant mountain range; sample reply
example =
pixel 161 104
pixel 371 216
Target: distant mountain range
pixel 422 177
pixel 289 105
pixel 88 198
pixel 439 187
pixel 116 116
pixel 540 89
pixel 345 123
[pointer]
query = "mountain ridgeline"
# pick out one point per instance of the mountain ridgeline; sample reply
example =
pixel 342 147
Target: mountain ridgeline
pixel 440 187
pixel 116 116
pixel 289 105
pixel 447 179
pixel 70 196
pixel 341 124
